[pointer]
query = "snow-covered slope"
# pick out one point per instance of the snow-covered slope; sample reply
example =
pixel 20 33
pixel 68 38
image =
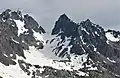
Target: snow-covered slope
pixel 35 57
pixel 111 37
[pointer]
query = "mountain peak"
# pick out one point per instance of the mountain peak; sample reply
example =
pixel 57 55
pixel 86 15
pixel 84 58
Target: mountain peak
pixel 7 10
pixel 64 25
pixel 88 20
pixel 64 16
pixel 87 38
pixel 20 33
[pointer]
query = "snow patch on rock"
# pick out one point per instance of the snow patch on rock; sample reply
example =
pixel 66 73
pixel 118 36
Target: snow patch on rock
pixel 111 37
pixel 21 28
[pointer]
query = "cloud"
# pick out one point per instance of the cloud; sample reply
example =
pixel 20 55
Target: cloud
pixel 46 12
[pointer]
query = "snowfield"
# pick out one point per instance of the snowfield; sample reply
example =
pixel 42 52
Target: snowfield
pixel 111 37
pixel 35 57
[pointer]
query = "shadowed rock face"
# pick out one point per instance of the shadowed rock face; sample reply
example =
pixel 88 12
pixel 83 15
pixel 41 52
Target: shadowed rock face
pixel 12 44
pixel 86 38
pixel 91 34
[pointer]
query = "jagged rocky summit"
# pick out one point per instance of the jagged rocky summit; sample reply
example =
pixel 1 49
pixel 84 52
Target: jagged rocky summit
pixel 17 33
pixel 86 38
pixel 84 50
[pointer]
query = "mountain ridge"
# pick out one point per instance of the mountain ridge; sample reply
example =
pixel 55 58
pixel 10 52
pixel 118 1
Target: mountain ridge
pixel 85 50
pixel 88 38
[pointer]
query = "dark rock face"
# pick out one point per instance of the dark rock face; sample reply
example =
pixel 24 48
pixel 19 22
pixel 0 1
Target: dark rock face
pixel 8 46
pixel 86 38
pixel 65 26
pixel 84 34
pixel 12 44
pixel 30 24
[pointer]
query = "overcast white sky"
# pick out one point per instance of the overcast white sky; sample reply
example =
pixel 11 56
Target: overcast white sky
pixel 103 12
